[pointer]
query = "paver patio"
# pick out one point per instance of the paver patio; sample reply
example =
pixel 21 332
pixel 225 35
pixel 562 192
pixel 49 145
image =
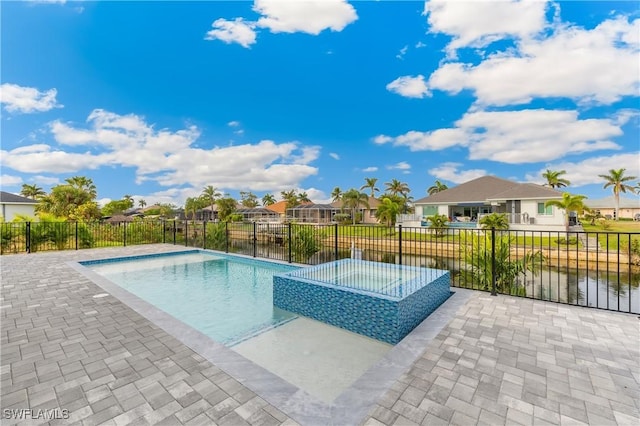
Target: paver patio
pixel 500 360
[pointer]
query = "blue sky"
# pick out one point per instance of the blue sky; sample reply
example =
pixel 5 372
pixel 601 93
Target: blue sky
pixel 159 99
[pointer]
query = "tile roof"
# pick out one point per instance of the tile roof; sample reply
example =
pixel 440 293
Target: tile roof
pixel 373 203
pixel 610 202
pixel 7 197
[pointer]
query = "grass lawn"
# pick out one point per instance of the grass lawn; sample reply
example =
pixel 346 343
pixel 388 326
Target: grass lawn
pixel 610 238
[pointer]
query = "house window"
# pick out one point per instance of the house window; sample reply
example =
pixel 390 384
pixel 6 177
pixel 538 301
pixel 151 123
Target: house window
pixel 545 210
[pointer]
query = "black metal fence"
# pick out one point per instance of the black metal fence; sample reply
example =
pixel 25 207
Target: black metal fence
pixel 595 269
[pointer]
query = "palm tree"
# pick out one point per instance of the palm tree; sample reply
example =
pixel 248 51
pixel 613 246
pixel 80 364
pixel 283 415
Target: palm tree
pixel 290 197
pixel 387 211
pixel 353 199
pixel 568 203
pixel 370 184
pixel 32 191
pixel 554 180
pixel 303 198
pixel 83 183
pixel 211 195
pixel 495 220
pixel 129 199
pixel 437 187
pixel 616 180
pixel 268 199
pixel 142 203
pixel 395 187
pixel 336 194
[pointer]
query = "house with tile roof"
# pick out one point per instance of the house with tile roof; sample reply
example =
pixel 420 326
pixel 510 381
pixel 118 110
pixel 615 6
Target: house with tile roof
pixel 465 204
pixel 12 205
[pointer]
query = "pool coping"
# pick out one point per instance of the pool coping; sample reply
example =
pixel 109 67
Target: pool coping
pixel 349 408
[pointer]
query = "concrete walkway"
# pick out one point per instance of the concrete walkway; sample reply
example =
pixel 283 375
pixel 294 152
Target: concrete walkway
pixel 500 360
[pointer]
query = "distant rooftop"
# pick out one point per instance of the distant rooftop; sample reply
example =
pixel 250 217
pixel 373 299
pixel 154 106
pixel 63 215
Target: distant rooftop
pixel 9 198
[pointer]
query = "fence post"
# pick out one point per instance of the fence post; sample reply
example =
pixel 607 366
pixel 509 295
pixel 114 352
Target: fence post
pixel 204 234
pixel 399 244
pixel 226 237
pixel 493 262
pixel 335 240
pixel 289 239
pixel 76 235
pixel 255 239
pixel 124 240
pixel 174 232
pixel 27 237
pixel 186 233
pixel 164 232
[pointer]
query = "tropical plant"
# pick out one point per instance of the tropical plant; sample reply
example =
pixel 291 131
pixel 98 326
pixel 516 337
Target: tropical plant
pixel 303 198
pixel 210 195
pixel 64 200
pixel 616 180
pixel 116 207
pixel 480 261
pixel 387 211
pixel 554 180
pixel 268 199
pixel 370 183
pixel 248 199
pixel 84 184
pixel 591 215
pixel 32 191
pixel 129 199
pixel 495 221
pixel 142 203
pixel 568 203
pixel 192 205
pixel 336 194
pixel 291 198
pixel 437 187
pixel 216 236
pixel 353 200
pixel 226 208
pixel 395 187
pixel 304 243
pixel 439 223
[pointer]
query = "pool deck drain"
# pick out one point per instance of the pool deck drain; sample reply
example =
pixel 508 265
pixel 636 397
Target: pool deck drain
pixel 495 360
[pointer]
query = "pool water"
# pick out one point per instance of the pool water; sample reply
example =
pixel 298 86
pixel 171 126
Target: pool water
pixel 229 300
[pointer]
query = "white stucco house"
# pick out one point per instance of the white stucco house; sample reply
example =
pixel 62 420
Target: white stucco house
pixel 12 205
pixel 465 204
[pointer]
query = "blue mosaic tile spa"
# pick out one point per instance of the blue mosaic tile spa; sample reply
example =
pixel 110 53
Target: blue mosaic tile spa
pixel 379 300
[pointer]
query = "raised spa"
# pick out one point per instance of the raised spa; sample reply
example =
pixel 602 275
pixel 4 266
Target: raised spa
pixel 379 300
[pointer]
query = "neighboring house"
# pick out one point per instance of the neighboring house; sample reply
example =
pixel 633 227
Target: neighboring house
pixel 312 213
pixel 465 204
pixel 368 213
pixel 258 214
pixel 13 205
pixel 629 207
pixel 280 208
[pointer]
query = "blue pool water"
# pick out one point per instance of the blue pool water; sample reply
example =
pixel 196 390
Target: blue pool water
pixel 227 298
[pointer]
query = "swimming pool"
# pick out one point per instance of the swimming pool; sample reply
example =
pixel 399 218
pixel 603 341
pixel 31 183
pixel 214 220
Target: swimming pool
pixel 228 299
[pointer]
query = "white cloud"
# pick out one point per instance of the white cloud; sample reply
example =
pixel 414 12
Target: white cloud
pixel 450 172
pixel 572 62
pixel 479 23
pixel 402 52
pixel 45 180
pixel 420 45
pixel 530 136
pixel 233 123
pixel 515 137
pixel 239 132
pixel 236 31
pixel 410 87
pixel 167 157
pixel 586 172
pixel 403 165
pixel 311 16
pixel 426 141
pixel 370 169
pixel 316 195
pixel 9 180
pixel 27 99
pixel 334 156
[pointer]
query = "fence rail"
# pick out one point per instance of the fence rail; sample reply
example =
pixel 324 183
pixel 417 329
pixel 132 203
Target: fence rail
pixel 594 269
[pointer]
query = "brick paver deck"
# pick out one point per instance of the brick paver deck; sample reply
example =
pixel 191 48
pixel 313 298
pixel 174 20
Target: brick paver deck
pixel 500 360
